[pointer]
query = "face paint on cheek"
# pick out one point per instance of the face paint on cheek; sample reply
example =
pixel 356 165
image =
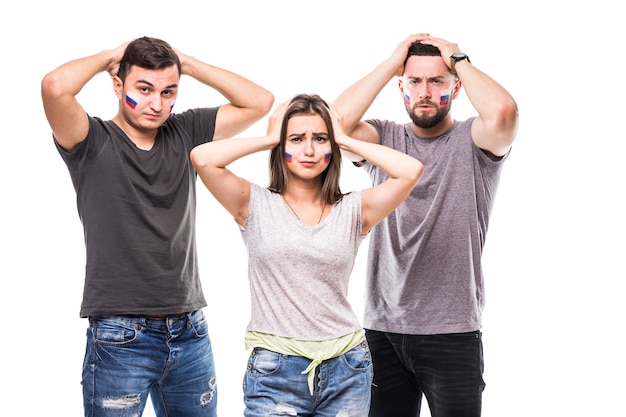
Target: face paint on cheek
pixel 444 97
pixel 327 155
pixel 131 101
pixel 407 99
pixel 288 155
pixel 172 105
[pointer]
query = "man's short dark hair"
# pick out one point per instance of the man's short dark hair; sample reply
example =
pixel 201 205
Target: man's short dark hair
pixel 422 49
pixel 149 53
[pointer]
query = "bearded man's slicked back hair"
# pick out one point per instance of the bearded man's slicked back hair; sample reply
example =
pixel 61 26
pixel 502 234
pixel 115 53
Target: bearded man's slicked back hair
pixel 422 49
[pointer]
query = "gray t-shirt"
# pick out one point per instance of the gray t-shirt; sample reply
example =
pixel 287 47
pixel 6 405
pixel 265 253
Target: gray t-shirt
pixel 299 274
pixel 424 266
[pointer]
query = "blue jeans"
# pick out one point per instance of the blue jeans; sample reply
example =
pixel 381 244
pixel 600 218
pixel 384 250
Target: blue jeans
pixel 275 386
pixel 446 368
pixel 170 359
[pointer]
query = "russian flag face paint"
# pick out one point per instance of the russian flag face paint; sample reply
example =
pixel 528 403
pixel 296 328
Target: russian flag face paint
pixel 172 105
pixel 288 155
pixel 327 155
pixel 131 101
pixel 407 99
pixel 444 97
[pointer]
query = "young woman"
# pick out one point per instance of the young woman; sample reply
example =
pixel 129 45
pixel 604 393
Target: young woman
pixel 309 354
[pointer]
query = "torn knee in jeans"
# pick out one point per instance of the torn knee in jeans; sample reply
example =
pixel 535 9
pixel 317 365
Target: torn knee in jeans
pixel 284 409
pixel 207 397
pixel 121 402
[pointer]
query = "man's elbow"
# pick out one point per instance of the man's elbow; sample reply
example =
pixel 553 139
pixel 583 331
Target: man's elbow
pixel 196 158
pixel 265 102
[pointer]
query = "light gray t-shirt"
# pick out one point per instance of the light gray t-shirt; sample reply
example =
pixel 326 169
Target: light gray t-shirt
pixel 424 266
pixel 299 274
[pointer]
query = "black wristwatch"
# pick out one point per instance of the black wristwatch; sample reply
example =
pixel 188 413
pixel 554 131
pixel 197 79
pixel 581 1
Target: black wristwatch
pixel 456 57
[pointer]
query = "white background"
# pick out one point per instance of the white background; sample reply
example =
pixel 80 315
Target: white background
pixel 554 258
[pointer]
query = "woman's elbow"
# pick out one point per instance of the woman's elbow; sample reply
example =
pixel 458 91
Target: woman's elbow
pixel 416 172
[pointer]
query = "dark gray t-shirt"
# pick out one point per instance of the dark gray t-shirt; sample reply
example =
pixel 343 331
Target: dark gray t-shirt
pixel 424 267
pixel 138 213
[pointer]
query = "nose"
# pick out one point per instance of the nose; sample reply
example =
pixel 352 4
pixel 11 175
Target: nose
pixel 156 103
pixel 423 90
pixel 308 147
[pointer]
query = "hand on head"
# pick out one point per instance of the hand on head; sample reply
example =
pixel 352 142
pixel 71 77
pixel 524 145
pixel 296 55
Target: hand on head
pixel 276 120
pixel 446 48
pixel 337 124
pixel 183 58
pixel 398 56
pixel 114 65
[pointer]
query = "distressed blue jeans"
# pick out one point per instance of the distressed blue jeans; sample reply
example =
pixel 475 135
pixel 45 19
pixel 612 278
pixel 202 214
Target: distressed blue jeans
pixel 275 386
pixel 129 358
pixel 446 368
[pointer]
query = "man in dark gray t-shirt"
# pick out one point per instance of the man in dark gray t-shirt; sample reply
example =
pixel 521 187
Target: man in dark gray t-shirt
pixel 135 189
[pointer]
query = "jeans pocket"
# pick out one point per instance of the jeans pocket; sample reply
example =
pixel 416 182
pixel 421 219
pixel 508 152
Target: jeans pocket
pixel 113 332
pixel 263 362
pixel 358 358
pixel 199 325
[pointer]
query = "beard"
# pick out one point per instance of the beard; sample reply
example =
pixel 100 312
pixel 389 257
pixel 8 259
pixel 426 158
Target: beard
pixel 425 121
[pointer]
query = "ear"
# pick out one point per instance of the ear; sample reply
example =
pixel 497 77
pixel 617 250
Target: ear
pixel 118 86
pixel 405 98
pixel 457 88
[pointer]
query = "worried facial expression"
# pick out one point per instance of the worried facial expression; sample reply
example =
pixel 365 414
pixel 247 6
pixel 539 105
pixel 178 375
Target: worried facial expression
pixel 307 148
pixel 148 96
pixel 427 89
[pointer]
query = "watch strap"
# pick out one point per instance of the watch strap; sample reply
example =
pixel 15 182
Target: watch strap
pixel 454 58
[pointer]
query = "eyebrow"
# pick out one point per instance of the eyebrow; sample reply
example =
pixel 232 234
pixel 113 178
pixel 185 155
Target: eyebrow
pixel 314 134
pixel 436 77
pixel 167 87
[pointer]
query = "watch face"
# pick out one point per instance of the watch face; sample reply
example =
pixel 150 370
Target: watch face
pixel 458 55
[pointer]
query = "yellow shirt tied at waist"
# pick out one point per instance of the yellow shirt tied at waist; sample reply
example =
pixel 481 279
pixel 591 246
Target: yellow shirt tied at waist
pixel 317 351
